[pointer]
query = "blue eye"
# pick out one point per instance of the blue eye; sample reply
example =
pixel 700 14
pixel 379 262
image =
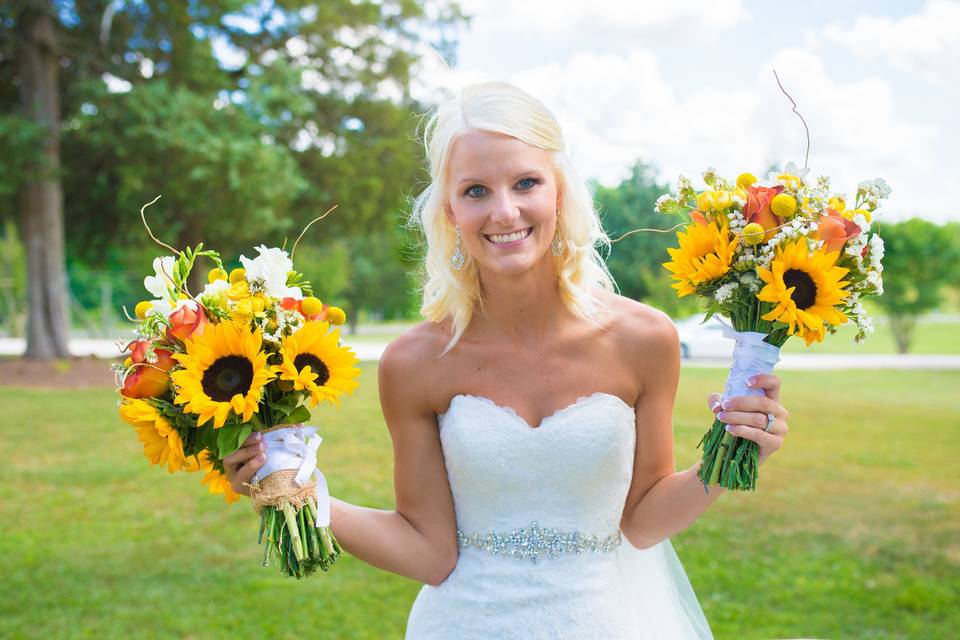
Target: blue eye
pixel 529 182
pixel 475 191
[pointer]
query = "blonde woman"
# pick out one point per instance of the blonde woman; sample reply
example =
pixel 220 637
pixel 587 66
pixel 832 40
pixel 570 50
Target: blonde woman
pixel 531 411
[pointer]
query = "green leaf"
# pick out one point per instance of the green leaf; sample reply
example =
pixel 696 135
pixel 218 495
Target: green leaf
pixel 300 414
pixel 227 441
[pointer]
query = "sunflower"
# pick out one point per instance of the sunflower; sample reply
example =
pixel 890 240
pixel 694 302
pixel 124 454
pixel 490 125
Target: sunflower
pixel 224 369
pixel 805 287
pixel 704 255
pixel 161 442
pixel 314 362
pixel 215 481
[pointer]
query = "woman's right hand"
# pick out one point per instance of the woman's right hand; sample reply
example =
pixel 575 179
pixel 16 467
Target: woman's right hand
pixel 240 465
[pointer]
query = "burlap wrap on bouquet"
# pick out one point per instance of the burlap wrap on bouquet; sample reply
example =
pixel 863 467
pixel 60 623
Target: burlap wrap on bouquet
pixel 290 473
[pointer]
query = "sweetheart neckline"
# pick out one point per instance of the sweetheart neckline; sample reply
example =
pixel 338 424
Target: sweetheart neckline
pixel 510 411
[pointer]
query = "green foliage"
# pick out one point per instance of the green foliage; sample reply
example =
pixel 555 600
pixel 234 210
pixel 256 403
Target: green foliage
pixel 310 108
pixel 20 141
pixel 920 258
pixel 13 279
pixel 636 261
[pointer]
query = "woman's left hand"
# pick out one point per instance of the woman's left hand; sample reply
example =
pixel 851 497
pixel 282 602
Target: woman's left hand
pixel 747 415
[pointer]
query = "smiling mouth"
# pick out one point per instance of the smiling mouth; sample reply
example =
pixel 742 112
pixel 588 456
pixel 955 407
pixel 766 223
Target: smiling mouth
pixel 507 238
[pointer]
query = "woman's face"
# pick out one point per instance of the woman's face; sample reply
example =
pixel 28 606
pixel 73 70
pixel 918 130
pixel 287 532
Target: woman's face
pixel 503 195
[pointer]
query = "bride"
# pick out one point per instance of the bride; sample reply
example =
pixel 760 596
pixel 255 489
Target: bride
pixel 531 412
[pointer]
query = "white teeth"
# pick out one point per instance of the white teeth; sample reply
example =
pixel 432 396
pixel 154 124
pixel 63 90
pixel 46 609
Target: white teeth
pixel 510 237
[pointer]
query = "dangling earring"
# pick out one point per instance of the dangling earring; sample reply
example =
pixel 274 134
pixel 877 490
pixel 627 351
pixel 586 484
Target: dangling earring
pixel 557 244
pixel 457 260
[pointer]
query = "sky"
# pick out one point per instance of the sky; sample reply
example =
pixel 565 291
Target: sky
pixel 688 84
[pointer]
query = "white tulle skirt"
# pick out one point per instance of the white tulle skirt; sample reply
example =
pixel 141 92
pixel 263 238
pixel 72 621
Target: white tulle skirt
pixel 626 594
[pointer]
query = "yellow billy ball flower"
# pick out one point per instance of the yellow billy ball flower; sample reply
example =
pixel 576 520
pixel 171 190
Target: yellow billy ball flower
pixel 311 306
pixel 216 274
pixel 336 315
pixel 752 233
pixel 744 180
pixel 850 213
pixel 705 201
pixel 238 275
pixel 142 307
pixel 723 199
pixel 784 206
pixel 837 203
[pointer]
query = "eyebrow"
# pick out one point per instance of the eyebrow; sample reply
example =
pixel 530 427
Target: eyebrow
pixel 522 173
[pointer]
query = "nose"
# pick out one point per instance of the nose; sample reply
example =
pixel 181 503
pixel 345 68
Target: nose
pixel 505 210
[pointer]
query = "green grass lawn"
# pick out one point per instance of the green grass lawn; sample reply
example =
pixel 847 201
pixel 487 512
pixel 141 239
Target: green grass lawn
pixel 929 338
pixel 854 532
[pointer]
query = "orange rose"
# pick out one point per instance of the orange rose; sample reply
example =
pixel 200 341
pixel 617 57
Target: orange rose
pixel 698 217
pixel 290 304
pixel 757 208
pixel 835 230
pixel 148 379
pixel 186 321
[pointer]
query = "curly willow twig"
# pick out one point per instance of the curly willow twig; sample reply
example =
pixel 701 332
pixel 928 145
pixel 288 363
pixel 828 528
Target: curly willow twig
pixel 806 157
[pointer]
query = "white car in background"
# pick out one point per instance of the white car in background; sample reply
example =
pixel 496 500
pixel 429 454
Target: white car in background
pixel 700 339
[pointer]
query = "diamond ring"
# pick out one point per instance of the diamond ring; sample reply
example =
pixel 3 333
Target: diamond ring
pixel 770 420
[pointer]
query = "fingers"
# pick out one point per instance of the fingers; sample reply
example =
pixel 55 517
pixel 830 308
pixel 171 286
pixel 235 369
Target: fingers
pixel 769 442
pixel 713 401
pixel 246 473
pixel 769 383
pixel 252 448
pixel 755 403
pixel 754 420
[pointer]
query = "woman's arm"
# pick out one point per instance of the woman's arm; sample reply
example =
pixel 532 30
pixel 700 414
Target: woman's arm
pixel 663 502
pixel 418 539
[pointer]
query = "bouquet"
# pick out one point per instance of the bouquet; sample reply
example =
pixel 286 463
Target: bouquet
pixel 247 353
pixel 785 257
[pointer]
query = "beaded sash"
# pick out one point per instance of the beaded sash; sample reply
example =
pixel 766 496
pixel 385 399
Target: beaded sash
pixel 534 541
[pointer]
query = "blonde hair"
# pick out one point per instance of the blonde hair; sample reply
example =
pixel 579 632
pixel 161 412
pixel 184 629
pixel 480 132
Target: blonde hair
pixel 499 107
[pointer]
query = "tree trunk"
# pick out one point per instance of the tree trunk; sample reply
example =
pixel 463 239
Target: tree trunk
pixel 41 217
pixel 902 328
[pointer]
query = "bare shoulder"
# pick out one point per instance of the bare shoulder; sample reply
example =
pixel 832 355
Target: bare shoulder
pixel 639 327
pixel 410 367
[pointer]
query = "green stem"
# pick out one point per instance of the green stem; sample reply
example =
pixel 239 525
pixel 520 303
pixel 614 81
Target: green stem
pixel 293 530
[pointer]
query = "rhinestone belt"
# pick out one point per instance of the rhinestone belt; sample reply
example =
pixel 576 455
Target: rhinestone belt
pixel 534 541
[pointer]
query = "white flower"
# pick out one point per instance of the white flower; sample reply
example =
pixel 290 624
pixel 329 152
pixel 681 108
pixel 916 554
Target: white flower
pixel 723 292
pixel 216 290
pixel 160 284
pixel 186 302
pixel 160 307
pixel 270 270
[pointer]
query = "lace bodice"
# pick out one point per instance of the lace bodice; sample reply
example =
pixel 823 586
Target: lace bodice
pixel 572 471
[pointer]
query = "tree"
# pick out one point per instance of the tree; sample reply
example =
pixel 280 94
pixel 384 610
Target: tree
pixel 41 212
pixel 919 259
pixel 250 118
pixel 636 262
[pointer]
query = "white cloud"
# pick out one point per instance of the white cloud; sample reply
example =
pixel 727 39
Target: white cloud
pixel 615 109
pixel 926 43
pixel 553 19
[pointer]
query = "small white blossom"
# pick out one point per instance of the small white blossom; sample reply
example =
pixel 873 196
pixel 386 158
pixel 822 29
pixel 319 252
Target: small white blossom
pixel 724 292
pixel 160 284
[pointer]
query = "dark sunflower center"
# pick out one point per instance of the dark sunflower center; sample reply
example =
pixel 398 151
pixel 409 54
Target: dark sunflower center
pixel 227 377
pixel 316 366
pixel 805 293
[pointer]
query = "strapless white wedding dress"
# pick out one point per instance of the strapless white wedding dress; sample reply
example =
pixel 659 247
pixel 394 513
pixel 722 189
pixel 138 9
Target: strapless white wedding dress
pixel 538 513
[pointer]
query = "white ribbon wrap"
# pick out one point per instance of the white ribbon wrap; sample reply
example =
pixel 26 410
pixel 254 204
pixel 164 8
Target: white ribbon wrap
pixel 295 447
pixel 751 356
